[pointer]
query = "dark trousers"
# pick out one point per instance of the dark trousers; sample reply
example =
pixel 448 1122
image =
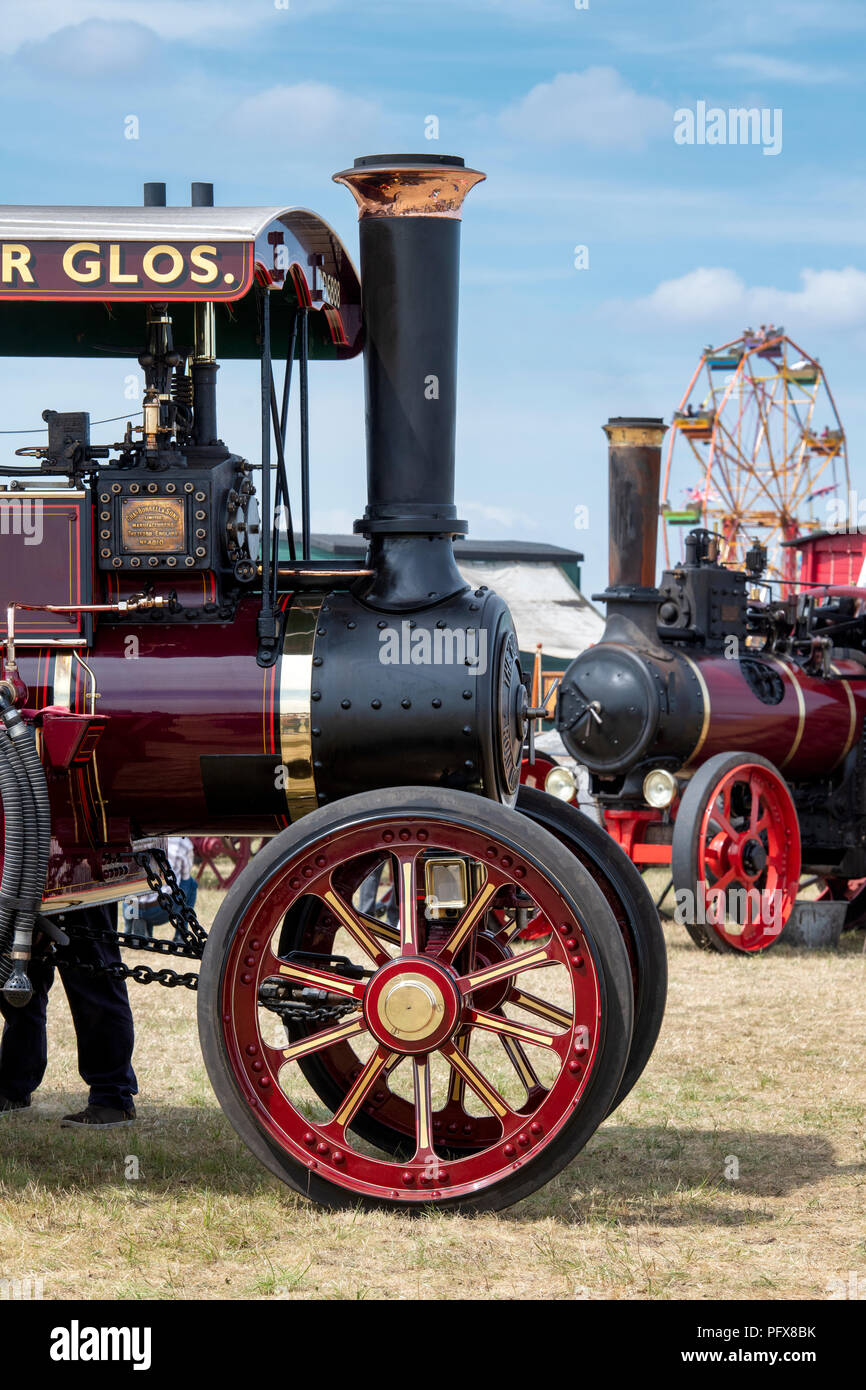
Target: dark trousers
pixel 151 915
pixel 100 1013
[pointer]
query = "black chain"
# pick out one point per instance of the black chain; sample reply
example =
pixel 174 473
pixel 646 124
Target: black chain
pixel 142 974
pixel 160 877
pixel 173 902
pixel 291 1011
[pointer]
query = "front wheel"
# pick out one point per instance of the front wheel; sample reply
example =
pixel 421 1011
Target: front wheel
pixel 735 859
pixel 483 1063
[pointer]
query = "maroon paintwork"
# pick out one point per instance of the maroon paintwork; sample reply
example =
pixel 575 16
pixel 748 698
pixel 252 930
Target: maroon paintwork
pixel 134 770
pixel 800 745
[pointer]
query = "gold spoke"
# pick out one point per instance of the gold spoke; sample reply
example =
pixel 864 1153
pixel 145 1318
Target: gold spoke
pixel 423 1110
pixel 498 1023
pixel 521 1064
pixel 458 1085
pixel 380 928
pixel 355 926
pixel 326 1038
pixel 321 979
pixel 474 912
pixel 534 1005
pixel 381 1061
pixel 408 906
pixel 480 1085
pixel 491 974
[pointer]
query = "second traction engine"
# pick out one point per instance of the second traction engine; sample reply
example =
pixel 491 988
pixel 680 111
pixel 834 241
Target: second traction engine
pixel 708 670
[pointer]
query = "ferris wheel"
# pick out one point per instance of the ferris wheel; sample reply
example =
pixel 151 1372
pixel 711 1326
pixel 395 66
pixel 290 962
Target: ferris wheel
pixel 756 452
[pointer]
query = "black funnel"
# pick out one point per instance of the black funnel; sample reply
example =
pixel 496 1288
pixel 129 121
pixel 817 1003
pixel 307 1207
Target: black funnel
pixel 409 228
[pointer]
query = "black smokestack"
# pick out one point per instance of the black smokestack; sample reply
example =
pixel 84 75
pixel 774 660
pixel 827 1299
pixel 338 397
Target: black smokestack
pixel 409 228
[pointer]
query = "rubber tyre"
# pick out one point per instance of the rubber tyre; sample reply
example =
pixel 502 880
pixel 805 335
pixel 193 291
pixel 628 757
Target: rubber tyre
pixel 632 905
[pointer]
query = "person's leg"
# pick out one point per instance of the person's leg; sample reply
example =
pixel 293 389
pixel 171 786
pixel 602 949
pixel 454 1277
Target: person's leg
pixel 189 888
pixel 24 1045
pixel 100 1010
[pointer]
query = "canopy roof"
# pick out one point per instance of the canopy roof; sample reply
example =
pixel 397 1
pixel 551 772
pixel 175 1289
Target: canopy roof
pixel 73 279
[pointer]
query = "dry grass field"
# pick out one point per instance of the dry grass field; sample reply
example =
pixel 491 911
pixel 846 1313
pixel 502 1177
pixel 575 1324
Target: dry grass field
pixel 759 1069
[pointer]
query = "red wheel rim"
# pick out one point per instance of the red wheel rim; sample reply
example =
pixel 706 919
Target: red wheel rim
pixel 447 1001
pixel 748 857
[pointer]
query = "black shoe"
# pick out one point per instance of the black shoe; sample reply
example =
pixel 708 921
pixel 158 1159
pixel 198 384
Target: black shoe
pixel 98 1117
pixel 7 1106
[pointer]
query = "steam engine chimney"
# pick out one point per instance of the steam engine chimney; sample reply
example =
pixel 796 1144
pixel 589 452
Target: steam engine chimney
pixel 409 210
pixel 634 468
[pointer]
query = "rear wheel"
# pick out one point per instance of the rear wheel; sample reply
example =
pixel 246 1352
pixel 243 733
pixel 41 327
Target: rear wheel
pixel 431 1062
pixel 631 903
pixel 736 854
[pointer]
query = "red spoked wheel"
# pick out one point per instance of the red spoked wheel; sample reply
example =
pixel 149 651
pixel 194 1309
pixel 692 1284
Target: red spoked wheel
pixel 211 849
pixel 439 1061
pixel 736 854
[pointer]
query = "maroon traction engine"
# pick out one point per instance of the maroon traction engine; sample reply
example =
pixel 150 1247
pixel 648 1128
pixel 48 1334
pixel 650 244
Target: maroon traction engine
pixel 374 1021
pixel 723 727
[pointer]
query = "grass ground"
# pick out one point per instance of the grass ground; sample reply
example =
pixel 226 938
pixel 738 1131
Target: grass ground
pixel 759 1073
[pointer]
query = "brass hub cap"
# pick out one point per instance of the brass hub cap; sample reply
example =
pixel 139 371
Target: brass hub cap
pixel 411 1005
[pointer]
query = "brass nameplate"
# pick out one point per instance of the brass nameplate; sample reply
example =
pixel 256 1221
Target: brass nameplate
pixel 153 524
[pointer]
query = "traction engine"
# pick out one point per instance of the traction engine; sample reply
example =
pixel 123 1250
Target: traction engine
pixel 723 727
pixel 376 1023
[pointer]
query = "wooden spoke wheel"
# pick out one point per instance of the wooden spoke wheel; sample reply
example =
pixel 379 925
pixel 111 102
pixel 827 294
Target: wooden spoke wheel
pixel 431 1062
pixel 736 854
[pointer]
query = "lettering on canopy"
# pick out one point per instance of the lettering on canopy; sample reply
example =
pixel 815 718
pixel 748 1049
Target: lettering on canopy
pixel 106 270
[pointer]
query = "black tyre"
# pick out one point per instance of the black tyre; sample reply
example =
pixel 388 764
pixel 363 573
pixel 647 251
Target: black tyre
pixel 631 904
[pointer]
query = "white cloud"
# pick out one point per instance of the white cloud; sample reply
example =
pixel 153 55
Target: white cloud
pixel 211 23
pixel 761 65
pixel 595 108
pixel 825 299
pixel 311 111
pixel 94 48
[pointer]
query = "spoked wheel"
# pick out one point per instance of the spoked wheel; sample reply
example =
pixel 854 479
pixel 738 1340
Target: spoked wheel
pixel 435 1062
pixel 631 903
pixel 736 854
pixel 237 849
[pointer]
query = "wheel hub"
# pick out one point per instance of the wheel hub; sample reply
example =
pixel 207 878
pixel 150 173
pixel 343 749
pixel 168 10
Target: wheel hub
pixel 412 1005
pixel 753 857
pixel 410 1008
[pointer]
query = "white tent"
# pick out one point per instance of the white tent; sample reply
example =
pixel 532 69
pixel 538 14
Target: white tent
pixel 544 603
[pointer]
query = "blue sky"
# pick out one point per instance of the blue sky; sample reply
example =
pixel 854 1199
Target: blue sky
pixel 571 114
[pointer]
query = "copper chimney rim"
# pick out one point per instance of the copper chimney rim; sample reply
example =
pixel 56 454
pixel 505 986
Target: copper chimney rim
pixel 388 185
